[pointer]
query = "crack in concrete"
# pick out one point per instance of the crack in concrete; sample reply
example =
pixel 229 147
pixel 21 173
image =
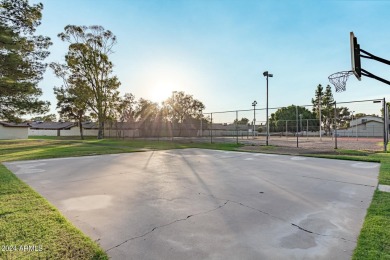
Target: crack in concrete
pixel 220 206
pixel 293 224
pixel 168 224
pixel 319 234
pixel 279 218
pixel 258 210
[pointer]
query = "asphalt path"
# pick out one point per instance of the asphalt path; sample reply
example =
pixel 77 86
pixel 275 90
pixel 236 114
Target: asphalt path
pixel 207 204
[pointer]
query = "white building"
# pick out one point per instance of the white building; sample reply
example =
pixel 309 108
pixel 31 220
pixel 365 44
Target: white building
pixel 89 129
pixel 367 126
pixel 13 130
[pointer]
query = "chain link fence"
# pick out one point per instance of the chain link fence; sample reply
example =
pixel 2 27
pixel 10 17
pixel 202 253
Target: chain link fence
pixel 355 125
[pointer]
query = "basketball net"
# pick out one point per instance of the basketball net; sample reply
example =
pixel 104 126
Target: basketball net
pixel 339 80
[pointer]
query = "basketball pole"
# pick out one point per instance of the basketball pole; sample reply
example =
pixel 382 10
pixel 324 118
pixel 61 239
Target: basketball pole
pixel 266 140
pixel 335 125
pixel 296 117
pixel 384 126
pixel 387 124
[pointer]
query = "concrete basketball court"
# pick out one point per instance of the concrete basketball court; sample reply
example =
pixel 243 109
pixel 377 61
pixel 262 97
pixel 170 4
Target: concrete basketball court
pixel 206 204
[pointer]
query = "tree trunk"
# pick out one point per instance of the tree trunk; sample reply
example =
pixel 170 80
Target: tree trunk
pixel 180 127
pixel 101 130
pixel 81 128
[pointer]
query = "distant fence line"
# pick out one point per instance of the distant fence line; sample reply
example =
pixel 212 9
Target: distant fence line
pixel 225 126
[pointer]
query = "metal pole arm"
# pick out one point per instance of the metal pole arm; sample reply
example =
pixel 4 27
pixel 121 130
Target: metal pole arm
pixel 370 75
pixel 373 57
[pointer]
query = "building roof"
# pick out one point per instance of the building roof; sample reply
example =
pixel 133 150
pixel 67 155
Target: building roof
pixel 368 121
pixel 68 125
pixel 10 124
pixel 52 125
pixel 90 125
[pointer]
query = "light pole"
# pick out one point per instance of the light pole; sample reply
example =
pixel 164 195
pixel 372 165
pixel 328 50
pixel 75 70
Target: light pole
pixel 254 103
pixel 319 108
pixel 267 75
pixel 201 127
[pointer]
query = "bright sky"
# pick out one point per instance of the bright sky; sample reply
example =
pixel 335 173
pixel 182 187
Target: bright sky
pixel 217 50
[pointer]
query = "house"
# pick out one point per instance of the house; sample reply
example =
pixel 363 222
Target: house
pixel 13 130
pixel 366 126
pixel 120 129
pixel 40 128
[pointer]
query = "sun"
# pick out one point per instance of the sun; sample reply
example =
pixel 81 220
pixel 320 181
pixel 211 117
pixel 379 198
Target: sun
pixel 165 77
pixel 161 91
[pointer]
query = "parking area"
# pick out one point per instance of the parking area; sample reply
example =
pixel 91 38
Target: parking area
pixel 196 204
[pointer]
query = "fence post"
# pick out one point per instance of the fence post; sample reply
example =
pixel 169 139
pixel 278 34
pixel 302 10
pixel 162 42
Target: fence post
pixel 236 126
pixel 296 117
pixel 286 129
pixel 211 135
pixel 307 129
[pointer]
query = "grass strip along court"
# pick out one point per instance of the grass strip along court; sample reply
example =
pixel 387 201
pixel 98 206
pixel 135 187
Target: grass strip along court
pixel 27 218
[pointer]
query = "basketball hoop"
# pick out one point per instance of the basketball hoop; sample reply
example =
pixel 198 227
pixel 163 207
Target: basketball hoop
pixel 339 80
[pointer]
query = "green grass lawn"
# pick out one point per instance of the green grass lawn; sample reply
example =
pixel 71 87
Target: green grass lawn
pixel 28 219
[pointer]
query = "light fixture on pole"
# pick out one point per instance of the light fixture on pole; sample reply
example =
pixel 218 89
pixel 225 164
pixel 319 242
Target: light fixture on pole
pixel 267 75
pixel 254 103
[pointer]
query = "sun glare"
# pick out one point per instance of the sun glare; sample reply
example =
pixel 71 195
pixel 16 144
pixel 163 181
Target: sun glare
pixel 161 91
pixel 162 77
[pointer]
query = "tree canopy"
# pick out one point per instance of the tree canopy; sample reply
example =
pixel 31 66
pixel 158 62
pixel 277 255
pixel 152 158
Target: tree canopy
pixel 324 101
pixel 182 108
pixel 289 114
pixel 88 70
pixel 242 121
pixel 21 59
